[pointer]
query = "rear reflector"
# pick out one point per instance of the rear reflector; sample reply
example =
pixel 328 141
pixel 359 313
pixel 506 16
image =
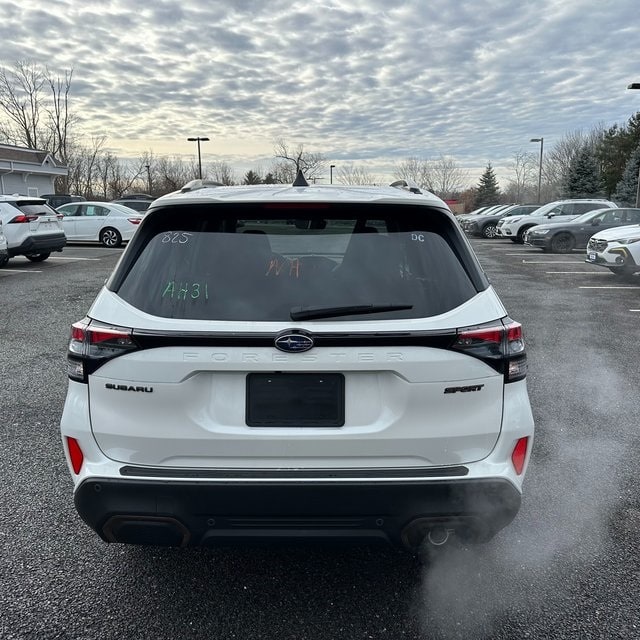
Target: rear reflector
pixel 76 456
pixel 519 455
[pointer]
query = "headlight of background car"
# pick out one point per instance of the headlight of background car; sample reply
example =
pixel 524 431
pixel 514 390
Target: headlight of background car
pixel 629 240
pixel 539 232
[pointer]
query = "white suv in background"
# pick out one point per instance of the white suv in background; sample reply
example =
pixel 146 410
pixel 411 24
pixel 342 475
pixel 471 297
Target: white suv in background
pixel 32 228
pixel 515 227
pixel 616 249
pixel 4 250
pixel 305 361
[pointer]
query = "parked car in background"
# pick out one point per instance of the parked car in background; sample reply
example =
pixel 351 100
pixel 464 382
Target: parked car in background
pixel 352 375
pixel 464 218
pixel 105 222
pixel 616 249
pixel 486 226
pixel 515 227
pixel 4 250
pixel 55 200
pixel 138 201
pixel 31 227
pixel 563 237
pixel 137 205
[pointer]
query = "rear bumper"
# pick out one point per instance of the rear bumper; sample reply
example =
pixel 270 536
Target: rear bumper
pixel 40 244
pixel 187 513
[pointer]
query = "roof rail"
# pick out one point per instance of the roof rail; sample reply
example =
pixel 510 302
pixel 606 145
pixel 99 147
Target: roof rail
pixel 407 185
pixel 194 185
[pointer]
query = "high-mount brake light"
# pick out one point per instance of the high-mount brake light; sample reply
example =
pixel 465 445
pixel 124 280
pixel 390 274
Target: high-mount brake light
pixel 519 455
pixel 500 345
pixel 91 344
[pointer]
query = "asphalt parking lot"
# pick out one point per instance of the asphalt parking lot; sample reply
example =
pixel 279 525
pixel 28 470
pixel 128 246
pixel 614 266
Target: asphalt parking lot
pixel 567 567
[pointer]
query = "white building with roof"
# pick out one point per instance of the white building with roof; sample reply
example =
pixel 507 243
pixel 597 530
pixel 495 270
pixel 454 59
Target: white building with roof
pixel 28 172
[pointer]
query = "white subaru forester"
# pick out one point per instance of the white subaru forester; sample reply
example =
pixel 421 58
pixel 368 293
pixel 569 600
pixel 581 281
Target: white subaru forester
pixel 305 362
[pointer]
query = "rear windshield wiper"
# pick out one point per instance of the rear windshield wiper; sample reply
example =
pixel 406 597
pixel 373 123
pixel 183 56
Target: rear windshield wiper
pixel 310 313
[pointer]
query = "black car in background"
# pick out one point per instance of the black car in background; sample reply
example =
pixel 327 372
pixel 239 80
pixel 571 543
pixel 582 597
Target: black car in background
pixel 484 226
pixel 563 237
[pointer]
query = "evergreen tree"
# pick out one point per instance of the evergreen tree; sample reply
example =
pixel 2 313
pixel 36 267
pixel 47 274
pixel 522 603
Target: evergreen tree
pixel 252 177
pixel 488 191
pixel 583 178
pixel 627 189
pixel 614 150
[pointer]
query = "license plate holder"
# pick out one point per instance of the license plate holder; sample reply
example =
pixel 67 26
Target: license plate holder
pixel 307 400
pixel 592 257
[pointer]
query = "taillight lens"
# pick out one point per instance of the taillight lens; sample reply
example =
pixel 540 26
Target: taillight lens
pixel 499 344
pixel 92 344
pixel 135 220
pixel 519 455
pixel 76 457
pixel 22 218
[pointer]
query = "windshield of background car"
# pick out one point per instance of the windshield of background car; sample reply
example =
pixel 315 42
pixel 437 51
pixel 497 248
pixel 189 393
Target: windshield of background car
pixel 263 262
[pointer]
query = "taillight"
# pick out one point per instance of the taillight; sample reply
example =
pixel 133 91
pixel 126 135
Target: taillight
pixel 134 220
pixel 92 344
pixel 76 457
pixel 499 344
pixel 22 218
pixel 519 455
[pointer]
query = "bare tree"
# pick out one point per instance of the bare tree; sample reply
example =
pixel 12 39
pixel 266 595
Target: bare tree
pixel 222 172
pixel 442 176
pixel 445 177
pixel 525 167
pixel 414 170
pixel 171 174
pixel 350 174
pixel 294 159
pixel 21 97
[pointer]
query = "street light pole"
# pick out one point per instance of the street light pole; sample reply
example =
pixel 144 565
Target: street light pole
pixel 199 140
pixel 331 168
pixel 636 85
pixel 541 141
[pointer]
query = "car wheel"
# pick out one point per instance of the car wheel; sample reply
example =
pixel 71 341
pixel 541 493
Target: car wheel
pixel 38 257
pixel 520 236
pixel 513 239
pixel 3 261
pixel 489 231
pixel 624 273
pixel 110 237
pixel 563 243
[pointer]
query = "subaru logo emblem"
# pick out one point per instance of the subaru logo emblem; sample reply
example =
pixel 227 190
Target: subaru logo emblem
pixel 294 342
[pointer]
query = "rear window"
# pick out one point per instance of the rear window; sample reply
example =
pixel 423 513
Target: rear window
pixel 283 262
pixel 34 208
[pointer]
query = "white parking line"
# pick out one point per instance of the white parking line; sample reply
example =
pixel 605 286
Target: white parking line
pixel 586 273
pixel 551 262
pixel 65 258
pixel 609 287
pixel 20 271
pixel 635 310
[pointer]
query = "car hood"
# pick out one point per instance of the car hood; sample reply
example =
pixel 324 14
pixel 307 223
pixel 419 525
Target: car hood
pixel 618 232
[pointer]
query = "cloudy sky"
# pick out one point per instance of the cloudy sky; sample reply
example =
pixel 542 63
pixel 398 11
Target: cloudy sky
pixel 368 82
